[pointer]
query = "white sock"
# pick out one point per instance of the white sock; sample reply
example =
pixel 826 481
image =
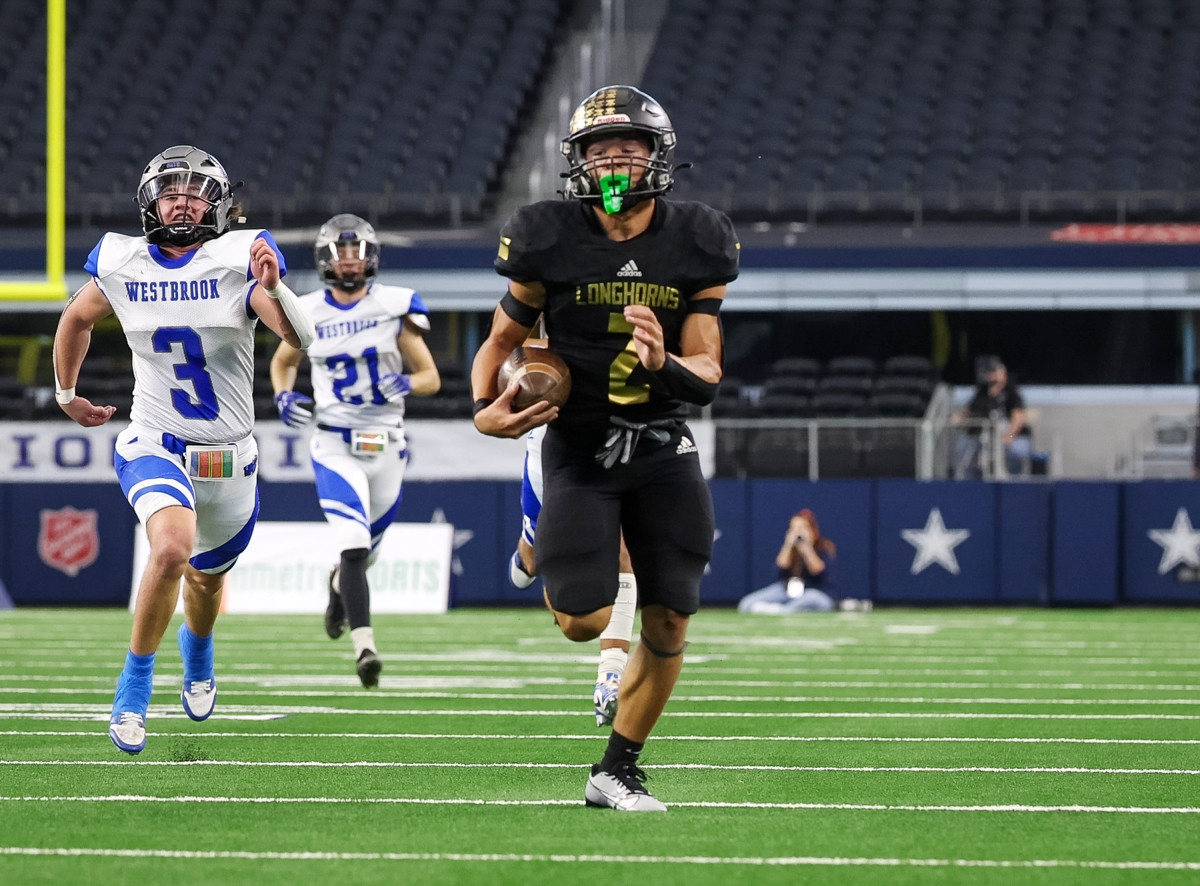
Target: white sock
pixel 620 623
pixel 612 661
pixel 364 638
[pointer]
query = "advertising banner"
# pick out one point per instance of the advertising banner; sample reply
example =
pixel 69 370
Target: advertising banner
pixel 452 449
pixel 286 569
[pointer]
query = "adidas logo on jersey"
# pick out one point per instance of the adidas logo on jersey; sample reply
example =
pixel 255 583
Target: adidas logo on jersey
pixel 629 269
pixel 685 446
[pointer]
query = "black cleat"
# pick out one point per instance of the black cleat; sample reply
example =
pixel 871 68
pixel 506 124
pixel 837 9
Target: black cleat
pixel 369 667
pixel 335 613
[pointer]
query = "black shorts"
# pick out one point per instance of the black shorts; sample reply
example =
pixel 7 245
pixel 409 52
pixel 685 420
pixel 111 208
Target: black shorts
pixel 660 499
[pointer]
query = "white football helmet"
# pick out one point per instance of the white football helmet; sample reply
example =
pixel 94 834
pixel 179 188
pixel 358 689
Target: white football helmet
pixel 346 230
pixel 188 170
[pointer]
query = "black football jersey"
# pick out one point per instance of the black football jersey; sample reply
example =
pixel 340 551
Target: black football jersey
pixel 589 279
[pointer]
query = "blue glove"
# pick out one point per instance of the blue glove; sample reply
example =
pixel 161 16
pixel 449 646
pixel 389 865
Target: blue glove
pixel 394 386
pixel 293 408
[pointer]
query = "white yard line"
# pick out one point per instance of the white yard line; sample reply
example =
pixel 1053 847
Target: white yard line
pixel 398 764
pixel 703 804
pixel 561 858
pixel 492 736
pixel 677 698
pixel 480 681
pixel 169 710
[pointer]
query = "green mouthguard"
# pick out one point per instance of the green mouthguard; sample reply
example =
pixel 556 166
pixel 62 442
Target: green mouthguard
pixel 611 189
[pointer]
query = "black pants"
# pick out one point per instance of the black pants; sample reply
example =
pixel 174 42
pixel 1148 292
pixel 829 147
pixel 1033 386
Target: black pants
pixel 659 499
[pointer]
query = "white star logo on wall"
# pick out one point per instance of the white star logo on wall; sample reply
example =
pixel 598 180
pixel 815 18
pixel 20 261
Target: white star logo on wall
pixel 935 544
pixel 1180 543
pixel 461 537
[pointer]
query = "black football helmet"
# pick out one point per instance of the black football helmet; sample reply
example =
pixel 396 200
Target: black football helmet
pixel 189 170
pixel 346 230
pixel 613 110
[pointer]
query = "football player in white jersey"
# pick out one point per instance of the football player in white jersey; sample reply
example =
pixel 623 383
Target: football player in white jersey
pixel 188 295
pixel 366 334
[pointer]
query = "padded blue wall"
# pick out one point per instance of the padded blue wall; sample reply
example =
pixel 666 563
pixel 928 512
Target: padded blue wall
pixel 1065 543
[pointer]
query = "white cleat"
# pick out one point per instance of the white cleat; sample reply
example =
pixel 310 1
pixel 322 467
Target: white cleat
pixel 517 574
pixel 199 698
pixel 128 731
pixel 621 790
pixel 604 699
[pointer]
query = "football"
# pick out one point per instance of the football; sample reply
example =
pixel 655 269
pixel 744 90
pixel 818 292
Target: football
pixel 541 374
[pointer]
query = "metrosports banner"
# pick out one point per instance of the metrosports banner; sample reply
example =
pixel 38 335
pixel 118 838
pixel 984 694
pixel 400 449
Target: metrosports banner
pixel 285 569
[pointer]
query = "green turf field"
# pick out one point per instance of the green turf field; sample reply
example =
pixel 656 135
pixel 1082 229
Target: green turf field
pixel 898 746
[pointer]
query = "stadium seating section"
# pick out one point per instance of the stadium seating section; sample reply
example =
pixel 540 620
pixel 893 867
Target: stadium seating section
pixel 858 108
pixel 845 387
pixel 861 107
pixel 876 411
pixel 392 105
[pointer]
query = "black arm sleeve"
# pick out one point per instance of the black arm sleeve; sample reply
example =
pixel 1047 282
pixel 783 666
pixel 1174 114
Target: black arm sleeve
pixel 683 384
pixel 519 312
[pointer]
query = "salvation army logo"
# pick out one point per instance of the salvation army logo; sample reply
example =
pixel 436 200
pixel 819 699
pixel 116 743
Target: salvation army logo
pixel 68 539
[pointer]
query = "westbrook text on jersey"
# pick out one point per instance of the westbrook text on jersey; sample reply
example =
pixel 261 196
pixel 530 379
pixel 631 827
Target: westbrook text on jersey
pixel 172 290
pixel 345 327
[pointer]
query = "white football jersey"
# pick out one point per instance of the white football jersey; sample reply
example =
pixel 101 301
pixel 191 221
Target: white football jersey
pixel 355 346
pixel 190 327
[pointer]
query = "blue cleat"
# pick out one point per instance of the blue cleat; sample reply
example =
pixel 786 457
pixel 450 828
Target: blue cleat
pixel 127 725
pixel 199 696
pixel 128 731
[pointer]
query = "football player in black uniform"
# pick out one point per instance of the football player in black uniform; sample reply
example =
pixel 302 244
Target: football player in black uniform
pixel 631 284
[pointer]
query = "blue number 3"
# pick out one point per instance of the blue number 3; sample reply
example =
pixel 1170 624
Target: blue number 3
pixel 193 369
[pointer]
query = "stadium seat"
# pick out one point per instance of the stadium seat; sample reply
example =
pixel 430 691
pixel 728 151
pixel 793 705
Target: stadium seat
pixel 960 107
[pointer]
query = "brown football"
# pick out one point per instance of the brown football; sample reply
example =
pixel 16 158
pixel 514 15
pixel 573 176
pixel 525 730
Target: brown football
pixel 541 374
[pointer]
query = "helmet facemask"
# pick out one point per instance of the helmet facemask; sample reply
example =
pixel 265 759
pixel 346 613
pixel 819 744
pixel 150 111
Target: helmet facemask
pixel 184 172
pixel 619 111
pixel 618 179
pixel 347 239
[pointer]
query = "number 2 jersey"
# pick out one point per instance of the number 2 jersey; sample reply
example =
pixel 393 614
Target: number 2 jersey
pixel 589 279
pixel 189 324
pixel 356 345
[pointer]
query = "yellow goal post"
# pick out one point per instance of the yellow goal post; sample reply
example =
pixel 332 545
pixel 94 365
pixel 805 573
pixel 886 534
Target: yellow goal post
pixel 54 286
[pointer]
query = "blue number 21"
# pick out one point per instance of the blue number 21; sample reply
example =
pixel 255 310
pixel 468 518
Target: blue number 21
pixel 193 369
pixel 344 368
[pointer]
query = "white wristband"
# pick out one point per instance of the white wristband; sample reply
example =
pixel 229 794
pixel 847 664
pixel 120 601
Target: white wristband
pixel 65 396
pixel 297 316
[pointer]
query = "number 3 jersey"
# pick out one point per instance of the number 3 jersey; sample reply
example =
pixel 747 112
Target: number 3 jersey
pixel 356 345
pixel 189 324
pixel 589 279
